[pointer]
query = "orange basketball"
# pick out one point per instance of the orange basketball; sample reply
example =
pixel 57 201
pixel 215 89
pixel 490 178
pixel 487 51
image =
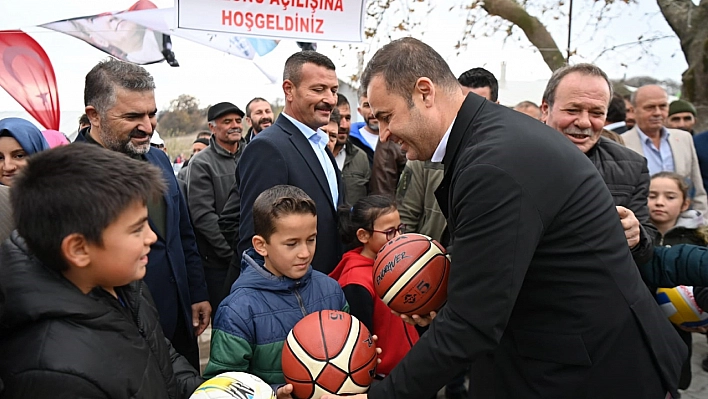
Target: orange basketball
pixel 410 274
pixel 329 352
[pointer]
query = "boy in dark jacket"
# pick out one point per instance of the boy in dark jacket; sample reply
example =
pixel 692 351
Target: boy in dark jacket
pixel 277 287
pixel 81 323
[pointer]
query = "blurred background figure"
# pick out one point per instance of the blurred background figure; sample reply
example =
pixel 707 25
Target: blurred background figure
pixel 19 139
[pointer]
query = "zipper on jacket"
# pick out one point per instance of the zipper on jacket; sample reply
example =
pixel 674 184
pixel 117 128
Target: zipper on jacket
pixel 296 291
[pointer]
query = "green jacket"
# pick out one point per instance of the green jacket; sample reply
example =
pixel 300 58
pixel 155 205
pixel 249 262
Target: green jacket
pixel 417 204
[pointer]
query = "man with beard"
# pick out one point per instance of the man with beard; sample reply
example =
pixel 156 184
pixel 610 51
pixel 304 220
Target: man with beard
pixel 259 115
pixel 351 161
pixel 212 173
pixel 575 103
pixel 294 151
pixel 120 103
pixel 665 149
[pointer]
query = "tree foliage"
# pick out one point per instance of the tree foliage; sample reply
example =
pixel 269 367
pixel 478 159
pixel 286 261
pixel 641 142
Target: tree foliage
pixel 183 116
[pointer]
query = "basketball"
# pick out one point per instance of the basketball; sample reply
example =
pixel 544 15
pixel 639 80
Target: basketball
pixel 234 385
pixel 411 273
pixel 329 352
pixel 680 306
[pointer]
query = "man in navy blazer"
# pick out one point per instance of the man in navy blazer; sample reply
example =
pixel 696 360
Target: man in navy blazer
pixel 120 104
pixel 542 282
pixel 294 151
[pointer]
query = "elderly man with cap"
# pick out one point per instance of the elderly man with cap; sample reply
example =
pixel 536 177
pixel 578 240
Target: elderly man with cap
pixel 212 173
pixel 682 115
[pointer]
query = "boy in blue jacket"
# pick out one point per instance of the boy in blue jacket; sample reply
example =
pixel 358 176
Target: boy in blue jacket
pixel 277 287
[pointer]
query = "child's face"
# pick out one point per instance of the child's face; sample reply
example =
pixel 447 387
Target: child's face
pixel 666 201
pixel 388 222
pixel 123 256
pixel 291 247
pixel 12 159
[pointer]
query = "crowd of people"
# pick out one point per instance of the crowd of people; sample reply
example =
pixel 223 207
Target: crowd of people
pixel 555 216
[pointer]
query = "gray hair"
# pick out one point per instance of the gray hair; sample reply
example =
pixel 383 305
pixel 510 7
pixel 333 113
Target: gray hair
pixel 633 95
pixel 108 74
pixel 549 95
pixel 402 62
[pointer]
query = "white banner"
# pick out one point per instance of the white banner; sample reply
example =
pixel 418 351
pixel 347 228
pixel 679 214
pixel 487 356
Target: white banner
pixel 303 20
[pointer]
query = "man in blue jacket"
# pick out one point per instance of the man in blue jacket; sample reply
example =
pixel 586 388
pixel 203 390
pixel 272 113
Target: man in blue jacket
pixel 120 103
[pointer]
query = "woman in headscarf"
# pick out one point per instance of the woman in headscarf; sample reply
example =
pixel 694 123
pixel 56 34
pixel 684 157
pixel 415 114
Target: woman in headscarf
pixel 19 139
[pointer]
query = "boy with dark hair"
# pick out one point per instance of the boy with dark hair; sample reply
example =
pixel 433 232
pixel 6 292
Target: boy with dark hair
pixel 277 287
pixel 81 322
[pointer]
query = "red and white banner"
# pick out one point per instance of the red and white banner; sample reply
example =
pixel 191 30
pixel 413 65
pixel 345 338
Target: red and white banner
pixel 303 20
pixel 28 76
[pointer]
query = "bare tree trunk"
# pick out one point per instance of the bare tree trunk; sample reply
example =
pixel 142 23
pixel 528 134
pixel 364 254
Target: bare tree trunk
pixel 690 22
pixel 534 30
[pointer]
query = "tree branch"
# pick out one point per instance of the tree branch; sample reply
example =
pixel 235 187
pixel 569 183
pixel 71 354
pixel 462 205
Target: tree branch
pixel 534 30
pixel 678 15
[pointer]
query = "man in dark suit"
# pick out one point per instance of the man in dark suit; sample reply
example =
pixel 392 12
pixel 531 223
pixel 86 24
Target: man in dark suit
pixel 294 151
pixel 120 103
pixel 542 278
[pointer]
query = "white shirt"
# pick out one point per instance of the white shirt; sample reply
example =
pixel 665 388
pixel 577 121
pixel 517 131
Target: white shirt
pixel 318 141
pixel 439 153
pixel 372 139
pixel 341 157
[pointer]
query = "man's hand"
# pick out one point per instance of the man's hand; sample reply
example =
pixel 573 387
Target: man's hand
pixel 418 320
pixel 630 224
pixel 285 392
pixel 201 313
pixel 695 329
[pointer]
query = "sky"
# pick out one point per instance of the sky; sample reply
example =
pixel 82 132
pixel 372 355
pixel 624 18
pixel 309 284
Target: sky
pixel 212 76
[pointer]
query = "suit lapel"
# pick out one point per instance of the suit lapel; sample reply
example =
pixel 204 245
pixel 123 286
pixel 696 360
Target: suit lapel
pixel 150 157
pixel 464 119
pixel 302 145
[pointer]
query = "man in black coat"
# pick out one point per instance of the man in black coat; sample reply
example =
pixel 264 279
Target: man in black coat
pixel 575 103
pixel 293 151
pixel 542 278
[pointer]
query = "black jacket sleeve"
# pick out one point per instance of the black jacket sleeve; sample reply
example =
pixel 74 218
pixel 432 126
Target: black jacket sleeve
pixel 488 270
pixel 361 305
pixel 643 251
pixel 701 296
pixel 186 377
pixel 45 384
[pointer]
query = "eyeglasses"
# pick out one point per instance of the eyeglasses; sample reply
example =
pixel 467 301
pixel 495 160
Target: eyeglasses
pixel 393 231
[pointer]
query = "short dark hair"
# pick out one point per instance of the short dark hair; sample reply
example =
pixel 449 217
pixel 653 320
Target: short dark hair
pixel 480 77
pixel 617 110
pixel 276 202
pixel 293 65
pixel 549 95
pixel 402 62
pixel 204 134
pixel 108 74
pixel 335 116
pixel 254 100
pixel 84 120
pixel 54 196
pixel 341 100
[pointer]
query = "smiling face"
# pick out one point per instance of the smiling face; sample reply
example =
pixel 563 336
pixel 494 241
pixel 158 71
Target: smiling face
pixel 312 100
pixel 344 124
pixel 261 115
pixel 123 255
pixel 412 127
pixel 227 129
pixel 127 126
pixel 12 159
pixel 579 109
pixel 290 249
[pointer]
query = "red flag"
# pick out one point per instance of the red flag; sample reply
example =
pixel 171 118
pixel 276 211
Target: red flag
pixel 28 76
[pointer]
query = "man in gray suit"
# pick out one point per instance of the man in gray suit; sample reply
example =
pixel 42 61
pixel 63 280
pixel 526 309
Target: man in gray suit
pixel 665 149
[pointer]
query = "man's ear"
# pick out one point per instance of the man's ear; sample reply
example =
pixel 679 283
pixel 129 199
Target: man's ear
pixel 259 244
pixel 93 115
pixel 545 109
pixel 363 236
pixel 288 88
pixel 75 250
pixel 425 87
